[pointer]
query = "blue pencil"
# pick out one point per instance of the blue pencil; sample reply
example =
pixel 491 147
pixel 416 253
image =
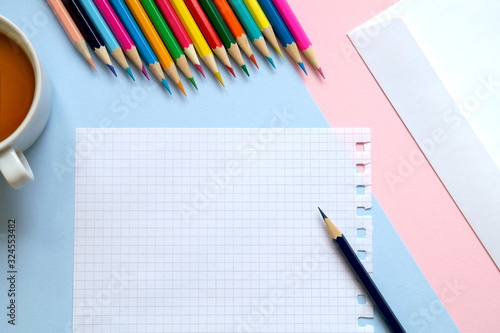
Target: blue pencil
pixel 282 31
pixel 106 34
pixel 362 276
pixel 139 39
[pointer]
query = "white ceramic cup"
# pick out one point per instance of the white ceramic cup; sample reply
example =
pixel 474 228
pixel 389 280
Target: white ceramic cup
pixel 13 164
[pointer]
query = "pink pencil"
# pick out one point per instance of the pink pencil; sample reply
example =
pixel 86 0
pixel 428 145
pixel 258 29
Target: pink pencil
pixel 120 33
pixel 298 33
pixel 179 32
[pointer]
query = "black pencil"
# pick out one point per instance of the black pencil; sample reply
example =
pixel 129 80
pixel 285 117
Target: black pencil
pixel 363 276
pixel 88 31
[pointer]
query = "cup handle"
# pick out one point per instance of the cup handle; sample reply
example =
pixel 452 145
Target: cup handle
pixel 15 168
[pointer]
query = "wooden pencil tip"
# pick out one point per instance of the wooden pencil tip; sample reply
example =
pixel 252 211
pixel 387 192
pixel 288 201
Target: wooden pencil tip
pixel 112 69
pixel 279 52
pixel 193 82
pixel 144 72
pixel 231 70
pixel 321 72
pixel 217 75
pixel 271 61
pixel 165 84
pixel 301 64
pixel 200 69
pixel 181 87
pixel 322 214
pixel 129 71
pixel 91 62
pixel 252 57
pixel 244 67
pixel 332 229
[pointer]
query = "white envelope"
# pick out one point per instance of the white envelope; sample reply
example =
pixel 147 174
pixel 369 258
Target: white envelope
pixel 438 63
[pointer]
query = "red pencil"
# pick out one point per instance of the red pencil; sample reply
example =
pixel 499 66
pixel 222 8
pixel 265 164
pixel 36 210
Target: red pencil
pixel 209 32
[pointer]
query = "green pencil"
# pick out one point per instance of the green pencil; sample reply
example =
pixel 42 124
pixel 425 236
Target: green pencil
pixel 224 32
pixel 168 38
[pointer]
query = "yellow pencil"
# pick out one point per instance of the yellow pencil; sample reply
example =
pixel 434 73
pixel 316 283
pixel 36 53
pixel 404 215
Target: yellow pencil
pixel 166 61
pixel 196 36
pixel 263 23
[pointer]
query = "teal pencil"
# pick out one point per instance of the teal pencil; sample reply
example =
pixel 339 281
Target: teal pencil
pixel 106 34
pixel 251 28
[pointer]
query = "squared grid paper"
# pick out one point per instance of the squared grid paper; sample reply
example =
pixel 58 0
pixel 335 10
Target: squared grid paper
pixel 217 230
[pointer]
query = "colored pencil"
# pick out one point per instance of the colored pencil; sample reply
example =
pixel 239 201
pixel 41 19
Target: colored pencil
pixel 179 32
pixel 235 27
pixel 71 29
pixel 362 275
pixel 251 28
pixel 298 33
pixel 168 39
pixel 106 34
pixel 89 32
pixel 196 36
pixel 120 33
pixel 224 33
pixel 149 31
pixel 135 32
pixel 209 32
pixel 282 31
pixel 263 23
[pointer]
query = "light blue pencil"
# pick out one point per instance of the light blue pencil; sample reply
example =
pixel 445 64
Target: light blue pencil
pixel 139 39
pixel 251 28
pixel 106 34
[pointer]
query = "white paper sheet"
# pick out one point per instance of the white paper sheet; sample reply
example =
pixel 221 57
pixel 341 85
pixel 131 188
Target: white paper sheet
pixel 460 40
pixel 446 135
pixel 217 230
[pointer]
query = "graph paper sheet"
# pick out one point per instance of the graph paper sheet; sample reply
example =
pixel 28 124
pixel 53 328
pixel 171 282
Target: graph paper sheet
pixel 217 230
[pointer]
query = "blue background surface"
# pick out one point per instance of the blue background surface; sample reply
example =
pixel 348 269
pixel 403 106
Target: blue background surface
pixel 44 210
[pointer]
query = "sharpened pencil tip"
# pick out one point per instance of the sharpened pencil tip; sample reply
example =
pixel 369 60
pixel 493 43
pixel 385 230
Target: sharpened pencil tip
pixel 321 72
pixel 279 52
pixel 252 57
pixel 231 70
pixel 200 69
pixel 322 214
pixel 244 67
pixel 271 61
pixel 181 87
pixel 217 75
pixel 129 71
pixel 165 84
pixel 301 64
pixel 193 82
pixel 332 229
pixel 91 62
pixel 112 69
pixel 145 73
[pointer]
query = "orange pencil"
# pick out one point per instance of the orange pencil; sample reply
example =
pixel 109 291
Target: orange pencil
pixel 235 27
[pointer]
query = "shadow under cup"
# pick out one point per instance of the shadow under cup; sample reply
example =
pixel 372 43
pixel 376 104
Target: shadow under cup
pixel 13 164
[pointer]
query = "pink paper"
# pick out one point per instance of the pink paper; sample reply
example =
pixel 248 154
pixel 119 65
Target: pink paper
pixel 452 258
